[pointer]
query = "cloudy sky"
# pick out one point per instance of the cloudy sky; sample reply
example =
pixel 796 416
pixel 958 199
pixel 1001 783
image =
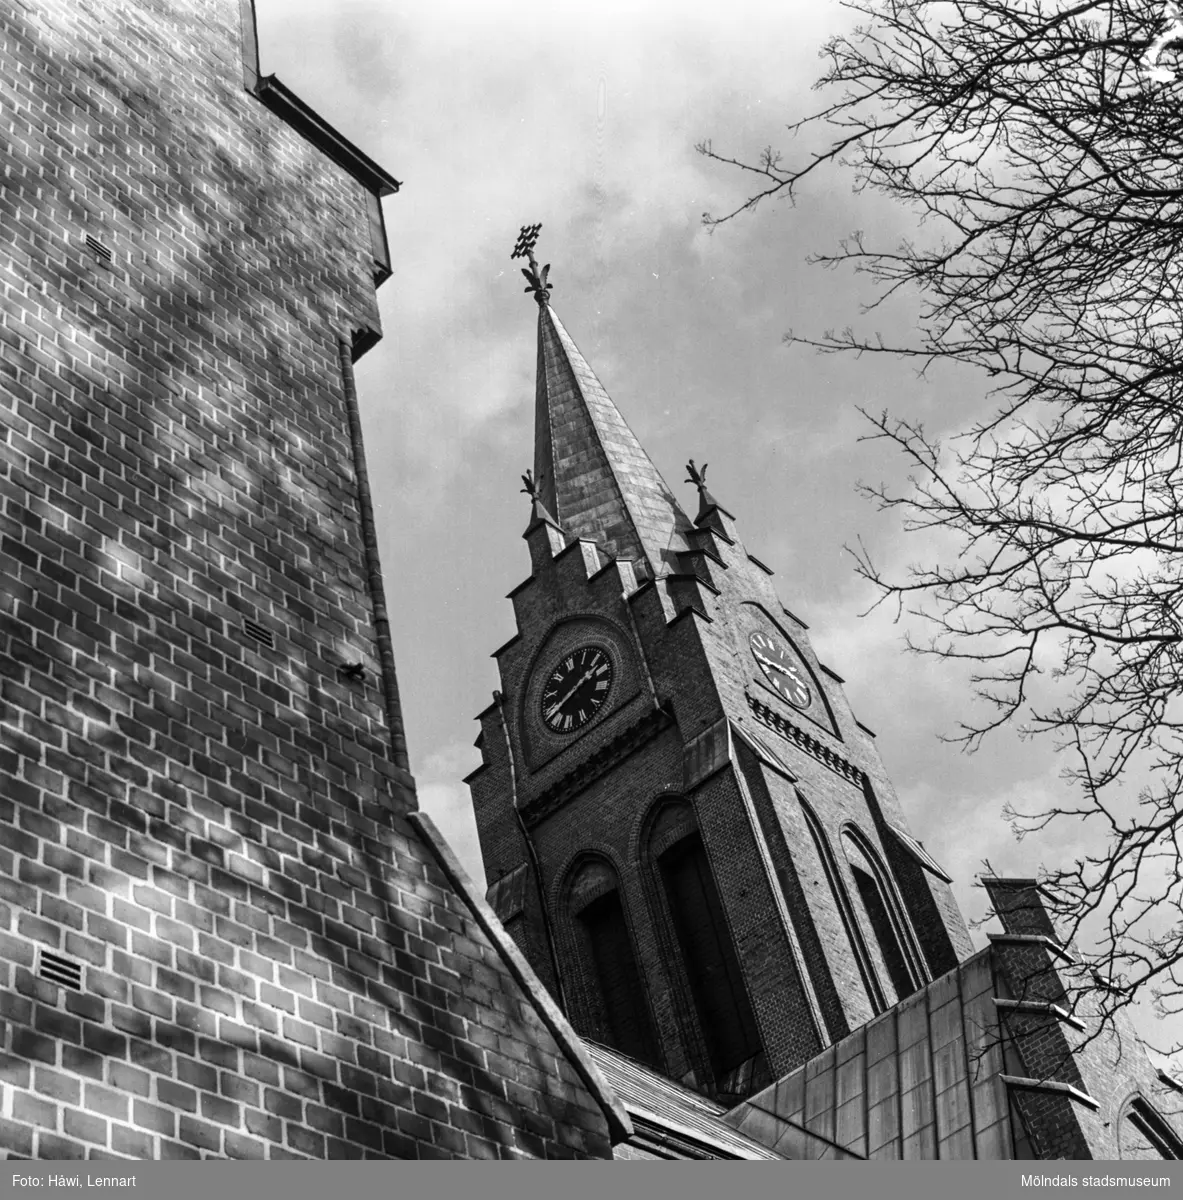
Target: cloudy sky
pixel 584 117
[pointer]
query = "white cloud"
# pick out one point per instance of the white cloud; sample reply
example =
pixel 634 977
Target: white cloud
pixel 502 112
pixel 446 800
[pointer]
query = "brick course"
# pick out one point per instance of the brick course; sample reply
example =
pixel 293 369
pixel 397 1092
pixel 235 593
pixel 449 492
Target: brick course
pixel 273 962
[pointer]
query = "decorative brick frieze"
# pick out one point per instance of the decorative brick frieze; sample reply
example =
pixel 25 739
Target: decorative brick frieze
pixel 805 741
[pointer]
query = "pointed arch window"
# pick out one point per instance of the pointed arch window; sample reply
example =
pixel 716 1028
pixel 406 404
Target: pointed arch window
pixel 619 1009
pixel 882 912
pixel 725 1015
pixel 846 913
pixel 1144 1133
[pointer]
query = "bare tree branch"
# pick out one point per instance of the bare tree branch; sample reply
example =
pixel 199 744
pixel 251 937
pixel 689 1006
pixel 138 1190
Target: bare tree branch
pixel 1045 170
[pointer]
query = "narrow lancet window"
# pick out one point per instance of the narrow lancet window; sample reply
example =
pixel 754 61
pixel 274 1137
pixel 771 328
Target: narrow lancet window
pixel 716 983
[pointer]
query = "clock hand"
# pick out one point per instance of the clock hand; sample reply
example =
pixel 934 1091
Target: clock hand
pixel 789 670
pixel 574 688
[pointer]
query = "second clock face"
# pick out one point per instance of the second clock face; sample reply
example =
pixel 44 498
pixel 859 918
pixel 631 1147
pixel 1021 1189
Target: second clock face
pixel 576 689
pixel 780 669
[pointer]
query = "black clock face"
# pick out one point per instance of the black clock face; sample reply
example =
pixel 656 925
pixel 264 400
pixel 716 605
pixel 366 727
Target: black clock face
pixel 780 669
pixel 577 689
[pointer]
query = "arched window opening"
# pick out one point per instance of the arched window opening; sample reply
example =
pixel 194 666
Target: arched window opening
pixel 1144 1133
pixel 845 909
pixel 621 992
pixel 884 922
pixel 889 946
pixel 725 1014
pixel 620 1012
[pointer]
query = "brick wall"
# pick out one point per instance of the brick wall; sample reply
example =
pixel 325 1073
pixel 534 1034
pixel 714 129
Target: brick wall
pixel 273 963
pixel 1055 1037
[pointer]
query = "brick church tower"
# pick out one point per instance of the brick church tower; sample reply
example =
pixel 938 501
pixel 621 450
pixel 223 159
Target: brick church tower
pixel 224 928
pixel 685 827
pixel 693 841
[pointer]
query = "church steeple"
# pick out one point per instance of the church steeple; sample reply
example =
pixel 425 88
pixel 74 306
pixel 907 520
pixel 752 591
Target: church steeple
pixel 593 476
pixel 686 830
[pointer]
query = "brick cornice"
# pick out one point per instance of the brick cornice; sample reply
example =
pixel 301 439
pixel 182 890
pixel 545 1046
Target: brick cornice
pixel 1031 939
pixel 1051 1085
pixel 1039 1007
pixel 804 741
pixel 590 769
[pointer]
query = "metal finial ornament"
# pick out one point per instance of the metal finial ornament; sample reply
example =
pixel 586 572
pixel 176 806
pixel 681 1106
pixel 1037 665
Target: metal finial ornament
pixel 538 510
pixel 527 240
pixel 698 477
pixel 535 278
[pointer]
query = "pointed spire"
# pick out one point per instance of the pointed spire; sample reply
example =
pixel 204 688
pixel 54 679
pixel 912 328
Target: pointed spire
pixel 591 471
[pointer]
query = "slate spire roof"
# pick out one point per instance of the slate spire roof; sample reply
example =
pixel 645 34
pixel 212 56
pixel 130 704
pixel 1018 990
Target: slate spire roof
pixel 592 473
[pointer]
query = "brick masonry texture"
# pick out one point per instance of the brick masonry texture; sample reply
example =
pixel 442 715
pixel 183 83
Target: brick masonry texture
pixel 935 1077
pixel 682 643
pixel 1109 1069
pixel 867 1063
pixel 273 963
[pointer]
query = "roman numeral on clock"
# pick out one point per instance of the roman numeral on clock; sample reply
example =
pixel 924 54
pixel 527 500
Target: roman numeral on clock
pixel 776 663
pixel 576 689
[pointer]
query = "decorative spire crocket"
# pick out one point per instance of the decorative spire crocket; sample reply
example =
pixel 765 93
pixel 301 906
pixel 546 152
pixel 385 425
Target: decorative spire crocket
pixel 706 502
pixel 535 278
pixel 538 510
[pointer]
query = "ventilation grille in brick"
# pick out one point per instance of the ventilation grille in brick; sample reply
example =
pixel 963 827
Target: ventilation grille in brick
pixel 60 971
pixel 254 630
pixel 93 243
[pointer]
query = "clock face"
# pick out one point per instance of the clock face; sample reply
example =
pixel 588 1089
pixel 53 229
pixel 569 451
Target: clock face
pixel 780 669
pixel 576 689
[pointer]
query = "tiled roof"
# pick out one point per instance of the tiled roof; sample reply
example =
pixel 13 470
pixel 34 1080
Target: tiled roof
pixel 657 1105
